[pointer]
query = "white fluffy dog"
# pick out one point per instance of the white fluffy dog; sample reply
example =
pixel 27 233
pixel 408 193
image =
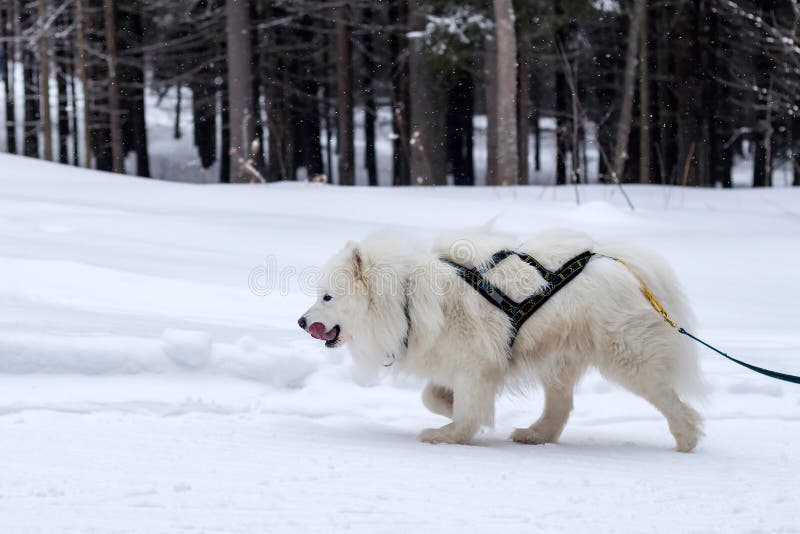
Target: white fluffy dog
pixel 395 304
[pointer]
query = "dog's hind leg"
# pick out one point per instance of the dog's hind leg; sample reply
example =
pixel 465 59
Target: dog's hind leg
pixel 650 379
pixel 684 422
pixel 557 407
pixel 438 399
pixel 473 405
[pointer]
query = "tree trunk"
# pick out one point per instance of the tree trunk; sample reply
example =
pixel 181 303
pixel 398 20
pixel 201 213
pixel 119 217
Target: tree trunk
pixel 279 119
pixel 428 112
pixel 130 83
pixel 241 119
pixel 7 68
pixel 762 130
pixel 30 77
pixel 114 109
pixel 506 95
pixel 205 127
pixel 97 87
pixel 703 107
pixel 490 85
pixel 62 63
pixel 625 117
pixel 719 105
pixel 275 95
pixel 537 130
pixel 762 161
pixel 562 126
pixel 459 133
pixel 257 16
pixel 176 130
pixel 225 132
pixel 401 112
pixel 644 99
pixel 309 132
pixel 80 66
pixel 523 108
pixel 690 85
pixel 44 81
pixel 328 91
pixel 666 132
pixel 291 119
pixel 370 110
pixel 796 150
pixel 76 161
pixel 561 87
pixel 344 77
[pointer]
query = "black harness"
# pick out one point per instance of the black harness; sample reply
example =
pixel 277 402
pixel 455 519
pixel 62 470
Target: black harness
pixel 519 312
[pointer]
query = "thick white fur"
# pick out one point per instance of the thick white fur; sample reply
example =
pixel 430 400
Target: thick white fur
pixel 458 341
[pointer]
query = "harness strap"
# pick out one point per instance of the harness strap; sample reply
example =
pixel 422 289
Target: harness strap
pixel 407 313
pixel 519 312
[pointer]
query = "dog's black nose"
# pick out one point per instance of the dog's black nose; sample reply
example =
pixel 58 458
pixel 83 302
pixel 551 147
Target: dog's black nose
pixel 302 322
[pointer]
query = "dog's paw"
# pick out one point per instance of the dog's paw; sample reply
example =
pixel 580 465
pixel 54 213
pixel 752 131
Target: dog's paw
pixel 688 431
pixel 446 434
pixel 687 442
pixel 532 436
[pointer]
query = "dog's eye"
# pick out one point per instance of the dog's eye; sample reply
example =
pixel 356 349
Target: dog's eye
pixel 326 297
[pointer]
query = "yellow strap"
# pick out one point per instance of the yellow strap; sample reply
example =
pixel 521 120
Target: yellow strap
pixel 649 295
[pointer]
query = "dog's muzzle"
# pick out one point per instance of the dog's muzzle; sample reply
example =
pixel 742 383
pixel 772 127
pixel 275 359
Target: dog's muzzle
pixel 318 331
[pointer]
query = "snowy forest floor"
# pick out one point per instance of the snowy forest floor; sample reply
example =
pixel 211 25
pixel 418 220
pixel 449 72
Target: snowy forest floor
pixel 146 386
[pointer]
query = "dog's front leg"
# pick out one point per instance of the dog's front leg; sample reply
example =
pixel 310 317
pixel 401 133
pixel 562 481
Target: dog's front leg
pixel 473 405
pixel 438 399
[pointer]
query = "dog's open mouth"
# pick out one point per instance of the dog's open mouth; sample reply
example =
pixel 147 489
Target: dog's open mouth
pixel 330 337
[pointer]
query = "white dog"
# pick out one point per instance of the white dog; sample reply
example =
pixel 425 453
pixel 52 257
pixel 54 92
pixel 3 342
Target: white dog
pixel 395 304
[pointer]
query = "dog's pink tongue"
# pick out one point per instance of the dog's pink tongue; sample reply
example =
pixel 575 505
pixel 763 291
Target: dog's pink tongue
pixel 317 331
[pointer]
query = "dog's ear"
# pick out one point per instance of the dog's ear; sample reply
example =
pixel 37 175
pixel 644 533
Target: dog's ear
pixel 358 262
pixel 356 259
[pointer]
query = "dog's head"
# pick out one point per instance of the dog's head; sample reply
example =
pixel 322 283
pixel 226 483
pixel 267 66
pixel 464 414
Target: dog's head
pixel 342 299
pixel 363 298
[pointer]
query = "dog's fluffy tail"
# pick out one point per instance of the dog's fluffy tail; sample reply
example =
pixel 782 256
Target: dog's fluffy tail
pixel 664 284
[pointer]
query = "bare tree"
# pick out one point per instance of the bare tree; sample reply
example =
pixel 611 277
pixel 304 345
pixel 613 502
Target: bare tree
pixel 507 169
pixel 26 20
pixel 763 130
pixel 240 110
pixel 401 118
pixel 109 14
pixel 62 67
pixel 629 76
pixel 561 114
pixel 9 44
pixel 644 100
pixel 80 66
pixel 523 107
pixel 344 70
pixel 44 81
pixel 428 99
pixel 490 77
pixel 131 81
pixel 370 110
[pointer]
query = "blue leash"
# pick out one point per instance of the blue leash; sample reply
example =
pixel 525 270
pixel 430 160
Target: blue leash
pixel 766 372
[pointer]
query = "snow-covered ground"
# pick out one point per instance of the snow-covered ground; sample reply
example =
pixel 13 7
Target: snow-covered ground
pixel 153 379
